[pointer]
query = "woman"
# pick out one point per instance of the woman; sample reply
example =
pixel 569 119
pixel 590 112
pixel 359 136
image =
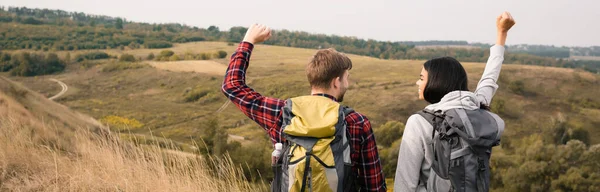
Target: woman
pixel 443 84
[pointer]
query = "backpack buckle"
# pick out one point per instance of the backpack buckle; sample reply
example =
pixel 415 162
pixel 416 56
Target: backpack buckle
pixel 481 164
pixel 443 136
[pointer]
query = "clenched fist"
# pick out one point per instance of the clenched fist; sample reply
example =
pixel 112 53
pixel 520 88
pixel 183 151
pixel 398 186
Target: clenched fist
pixel 257 34
pixel 504 22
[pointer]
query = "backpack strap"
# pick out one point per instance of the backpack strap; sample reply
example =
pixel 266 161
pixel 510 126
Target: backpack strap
pixel 433 117
pixel 350 181
pixel 429 116
pixel 347 110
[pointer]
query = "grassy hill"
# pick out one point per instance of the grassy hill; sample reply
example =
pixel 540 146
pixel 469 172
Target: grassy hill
pixel 45 146
pixel 384 90
pixel 550 103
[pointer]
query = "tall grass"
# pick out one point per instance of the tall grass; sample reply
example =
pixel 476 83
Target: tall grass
pixel 40 158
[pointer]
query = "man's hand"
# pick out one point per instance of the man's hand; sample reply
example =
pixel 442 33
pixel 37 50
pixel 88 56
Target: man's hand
pixel 257 34
pixel 504 22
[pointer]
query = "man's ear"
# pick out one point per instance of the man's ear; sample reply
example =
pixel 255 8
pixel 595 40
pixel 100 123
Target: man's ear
pixel 335 83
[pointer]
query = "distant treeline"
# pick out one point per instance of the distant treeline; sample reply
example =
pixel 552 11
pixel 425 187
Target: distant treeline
pixel 54 30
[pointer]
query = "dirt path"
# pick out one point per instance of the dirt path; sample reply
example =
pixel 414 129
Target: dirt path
pixel 62 92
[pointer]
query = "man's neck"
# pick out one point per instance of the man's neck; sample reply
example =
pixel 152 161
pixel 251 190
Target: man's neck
pixel 320 91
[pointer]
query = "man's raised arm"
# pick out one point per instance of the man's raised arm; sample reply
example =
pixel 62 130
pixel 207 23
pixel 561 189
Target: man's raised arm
pixel 263 110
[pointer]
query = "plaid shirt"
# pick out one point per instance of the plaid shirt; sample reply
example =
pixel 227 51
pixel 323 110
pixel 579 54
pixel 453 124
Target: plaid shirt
pixel 266 112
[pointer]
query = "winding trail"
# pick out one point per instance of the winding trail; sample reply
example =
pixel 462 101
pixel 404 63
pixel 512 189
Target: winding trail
pixel 62 92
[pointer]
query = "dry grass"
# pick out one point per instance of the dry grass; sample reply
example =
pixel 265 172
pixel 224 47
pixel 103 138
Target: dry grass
pixel 592 58
pixel 45 146
pixel 99 164
pixel 209 67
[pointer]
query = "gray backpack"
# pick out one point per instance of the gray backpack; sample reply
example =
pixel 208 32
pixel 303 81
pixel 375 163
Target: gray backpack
pixel 462 146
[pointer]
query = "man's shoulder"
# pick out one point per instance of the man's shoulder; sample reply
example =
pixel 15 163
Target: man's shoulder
pixel 356 118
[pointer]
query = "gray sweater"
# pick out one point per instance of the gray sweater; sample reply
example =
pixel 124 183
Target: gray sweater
pixel 416 153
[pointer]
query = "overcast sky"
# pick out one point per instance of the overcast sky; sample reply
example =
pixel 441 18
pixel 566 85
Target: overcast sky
pixel 549 22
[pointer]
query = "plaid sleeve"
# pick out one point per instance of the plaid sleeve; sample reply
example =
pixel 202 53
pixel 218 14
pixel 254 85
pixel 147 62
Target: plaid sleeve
pixel 263 110
pixel 365 156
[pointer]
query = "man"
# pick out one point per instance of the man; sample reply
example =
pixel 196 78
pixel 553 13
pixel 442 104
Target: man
pixel 328 73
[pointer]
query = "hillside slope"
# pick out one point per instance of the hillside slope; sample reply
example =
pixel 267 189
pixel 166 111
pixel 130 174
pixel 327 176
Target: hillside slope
pixel 45 146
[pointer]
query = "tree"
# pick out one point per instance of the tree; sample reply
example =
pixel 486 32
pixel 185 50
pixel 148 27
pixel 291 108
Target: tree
pixel 119 23
pixel 51 65
pixel 236 34
pixel 213 28
pixel 27 64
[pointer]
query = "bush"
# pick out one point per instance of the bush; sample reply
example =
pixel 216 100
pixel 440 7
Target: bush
pixel 517 87
pixel 580 134
pixel 150 56
pixel 127 58
pixel 165 54
pixel 119 66
pixel 222 54
pixel 195 95
pixel 5 64
pixel 204 56
pixel 31 21
pixel 389 132
pixel 121 123
pixel 174 58
pixel 6 19
pixel 158 44
pixel 253 157
pixel 92 56
pixel 189 56
pixel 498 106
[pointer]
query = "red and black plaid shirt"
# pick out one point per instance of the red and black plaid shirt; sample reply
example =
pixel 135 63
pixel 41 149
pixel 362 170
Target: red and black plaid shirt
pixel 266 112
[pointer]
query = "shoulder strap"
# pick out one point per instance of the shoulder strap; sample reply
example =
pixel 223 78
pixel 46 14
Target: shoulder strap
pixel 433 117
pixel 430 117
pixel 347 110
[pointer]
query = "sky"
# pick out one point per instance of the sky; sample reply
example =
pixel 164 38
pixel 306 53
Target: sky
pixel 546 22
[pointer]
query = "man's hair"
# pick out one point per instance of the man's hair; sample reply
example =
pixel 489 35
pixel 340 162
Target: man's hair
pixel 326 65
pixel 445 74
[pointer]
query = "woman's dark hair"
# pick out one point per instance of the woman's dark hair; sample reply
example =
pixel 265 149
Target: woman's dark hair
pixel 445 74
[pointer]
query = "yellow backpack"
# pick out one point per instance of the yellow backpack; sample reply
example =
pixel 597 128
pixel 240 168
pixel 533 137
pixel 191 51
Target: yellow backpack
pixel 316 154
